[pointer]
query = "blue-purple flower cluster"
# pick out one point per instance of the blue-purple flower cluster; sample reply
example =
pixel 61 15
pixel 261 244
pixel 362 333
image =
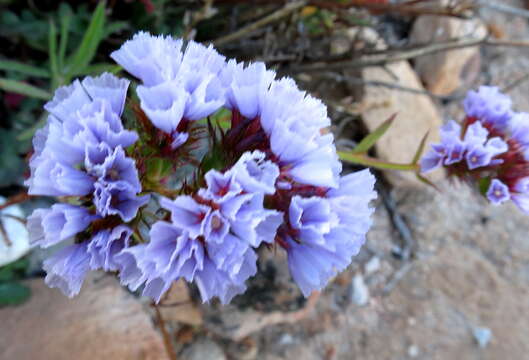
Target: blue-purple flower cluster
pixel 80 157
pixel 490 148
pixel 275 180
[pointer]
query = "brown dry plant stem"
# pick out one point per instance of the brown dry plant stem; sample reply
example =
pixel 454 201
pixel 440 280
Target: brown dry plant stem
pixel 4 234
pixel 411 8
pixel 166 336
pixel 247 30
pixel 391 56
pixel 15 199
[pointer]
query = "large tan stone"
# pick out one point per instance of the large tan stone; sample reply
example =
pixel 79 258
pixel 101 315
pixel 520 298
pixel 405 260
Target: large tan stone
pixel 103 322
pixel 416 115
pixel 447 71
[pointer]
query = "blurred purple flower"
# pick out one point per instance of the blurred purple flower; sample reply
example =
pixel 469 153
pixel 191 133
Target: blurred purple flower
pixel 326 232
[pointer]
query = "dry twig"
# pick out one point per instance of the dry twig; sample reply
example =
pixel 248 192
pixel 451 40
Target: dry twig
pixel 245 31
pixel 166 336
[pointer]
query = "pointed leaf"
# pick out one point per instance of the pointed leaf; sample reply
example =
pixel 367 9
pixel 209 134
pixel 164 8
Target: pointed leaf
pixel 420 149
pixel 361 159
pixel 426 181
pixel 23 89
pixel 52 53
pixel 96 69
pixel 9 65
pixel 65 13
pixel 91 39
pixel 372 138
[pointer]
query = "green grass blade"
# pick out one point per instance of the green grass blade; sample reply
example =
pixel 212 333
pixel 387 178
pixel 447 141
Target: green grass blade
pixel 23 89
pixel 66 17
pixel 9 65
pixel 360 159
pixel 27 134
pixel 420 149
pixel 52 53
pixel 91 39
pixel 372 138
pixel 96 69
pixel 426 181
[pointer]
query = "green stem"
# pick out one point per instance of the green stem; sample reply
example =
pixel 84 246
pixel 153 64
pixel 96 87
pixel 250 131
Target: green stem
pixel 365 160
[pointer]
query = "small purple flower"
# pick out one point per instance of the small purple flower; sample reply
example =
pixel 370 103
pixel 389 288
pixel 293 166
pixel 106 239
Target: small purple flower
pixel 152 59
pixel 478 157
pixel 117 198
pixel 498 192
pixel 489 106
pixel 476 148
pixel 115 167
pixel 455 152
pixel 48 227
pixel 211 235
pixel 177 83
pixel 520 194
pixel 69 99
pixel 67 269
pixel 105 245
pixel 433 159
pixel 328 231
pixel 245 86
pixel 291 121
pixel 519 126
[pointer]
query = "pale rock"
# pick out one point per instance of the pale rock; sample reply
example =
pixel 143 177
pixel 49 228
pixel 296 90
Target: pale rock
pixel 413 351
pixel 103 322
pixel 372 266
pixel 482 335
pixel 416 116
pixel 203 349
pixel 286 339
pixel 17 244
pixel 360 291
pixel 447 71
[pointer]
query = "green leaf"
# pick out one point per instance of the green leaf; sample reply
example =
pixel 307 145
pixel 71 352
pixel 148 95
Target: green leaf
pixel 13 270
pixel 27 134
pixel 65 14
pixel 426 181
pixel 12 293
pixel 23 89
pixel 6 274
pixel 91 39
pixel 52 53
pixel 483 185
pixel 372 138
pixel 96 69
pixel 420 149
pixel 361 159
pixel 114 27
pixel 10 65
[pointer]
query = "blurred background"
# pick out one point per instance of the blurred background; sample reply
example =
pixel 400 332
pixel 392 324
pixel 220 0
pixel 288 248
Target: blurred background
pixel 443 275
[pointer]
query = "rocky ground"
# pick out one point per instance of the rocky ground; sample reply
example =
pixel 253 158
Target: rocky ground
pixel 462 293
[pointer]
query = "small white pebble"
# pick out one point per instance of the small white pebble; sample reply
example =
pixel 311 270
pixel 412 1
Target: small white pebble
pixel 482 335
pixel 286 339
pixel 360 293
pixel 16 232
pixel 413 351
pixel 372 265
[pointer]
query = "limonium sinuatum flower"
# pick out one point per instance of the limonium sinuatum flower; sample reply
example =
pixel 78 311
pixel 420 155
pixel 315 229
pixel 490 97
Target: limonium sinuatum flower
pixel 166 193
pixel 490 149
